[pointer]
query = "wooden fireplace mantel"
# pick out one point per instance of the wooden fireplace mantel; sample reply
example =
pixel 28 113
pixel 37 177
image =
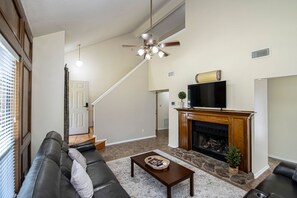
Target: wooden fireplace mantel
pixel 239 129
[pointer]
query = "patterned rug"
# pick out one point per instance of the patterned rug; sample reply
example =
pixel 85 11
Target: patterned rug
pixel 144 185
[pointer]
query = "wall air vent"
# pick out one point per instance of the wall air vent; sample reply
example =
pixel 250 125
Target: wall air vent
pixel 170 74
pixel 260 53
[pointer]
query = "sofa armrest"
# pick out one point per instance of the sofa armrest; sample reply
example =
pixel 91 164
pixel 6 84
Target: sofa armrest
pixel 255 193
pixel 286 169
pixel 85 146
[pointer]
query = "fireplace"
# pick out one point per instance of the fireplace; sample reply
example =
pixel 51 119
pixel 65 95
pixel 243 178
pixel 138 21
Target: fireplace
pixel 210 139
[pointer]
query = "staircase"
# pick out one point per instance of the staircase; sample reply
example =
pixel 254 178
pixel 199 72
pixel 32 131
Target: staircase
pixel 89 137
pixel 101 143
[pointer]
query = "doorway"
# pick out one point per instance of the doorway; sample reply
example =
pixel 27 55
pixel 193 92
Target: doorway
pixel 78 107
pixel 162 111
pixel 274 122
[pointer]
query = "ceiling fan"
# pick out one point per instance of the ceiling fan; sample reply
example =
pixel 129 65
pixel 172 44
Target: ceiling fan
pixel 150 46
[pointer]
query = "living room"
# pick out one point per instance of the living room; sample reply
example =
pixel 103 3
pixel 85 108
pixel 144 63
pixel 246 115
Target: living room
pixel 217 36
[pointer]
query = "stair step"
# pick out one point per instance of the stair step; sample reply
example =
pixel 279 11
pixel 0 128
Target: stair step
pixel 100 144
pixel 76 139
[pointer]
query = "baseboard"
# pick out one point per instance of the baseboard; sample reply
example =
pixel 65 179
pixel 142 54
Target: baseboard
pixel 172 146
pixel 131 140
pixel 282 159
pixel 260 172
pixel 162 129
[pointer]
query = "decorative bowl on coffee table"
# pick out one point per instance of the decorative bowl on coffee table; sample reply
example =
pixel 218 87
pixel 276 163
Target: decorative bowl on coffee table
pixel 157 162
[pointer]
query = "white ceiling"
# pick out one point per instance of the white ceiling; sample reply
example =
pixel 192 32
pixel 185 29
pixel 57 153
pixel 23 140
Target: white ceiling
pixel 87 21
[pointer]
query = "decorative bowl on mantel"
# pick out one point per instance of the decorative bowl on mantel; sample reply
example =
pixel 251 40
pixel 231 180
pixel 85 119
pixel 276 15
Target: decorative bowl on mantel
pixel 157 162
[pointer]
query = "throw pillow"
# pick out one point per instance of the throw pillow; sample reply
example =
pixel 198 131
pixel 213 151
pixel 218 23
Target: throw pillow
pixel 81 181
pixel 76 155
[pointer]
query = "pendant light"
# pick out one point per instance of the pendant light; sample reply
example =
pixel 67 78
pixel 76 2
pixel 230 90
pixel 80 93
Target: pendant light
pixel 79 63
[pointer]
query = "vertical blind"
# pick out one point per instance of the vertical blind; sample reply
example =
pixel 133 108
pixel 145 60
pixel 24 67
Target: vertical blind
pixel 7 118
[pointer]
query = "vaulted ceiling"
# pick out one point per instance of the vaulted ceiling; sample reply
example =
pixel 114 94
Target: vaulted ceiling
pixel 87 22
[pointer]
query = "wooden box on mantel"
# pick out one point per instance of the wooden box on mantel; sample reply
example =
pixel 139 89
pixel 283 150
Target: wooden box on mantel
pixel 239 129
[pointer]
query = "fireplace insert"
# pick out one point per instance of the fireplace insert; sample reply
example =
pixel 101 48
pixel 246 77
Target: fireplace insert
pixel 210 139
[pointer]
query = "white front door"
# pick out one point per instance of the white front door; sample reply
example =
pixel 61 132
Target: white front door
pixel 78 107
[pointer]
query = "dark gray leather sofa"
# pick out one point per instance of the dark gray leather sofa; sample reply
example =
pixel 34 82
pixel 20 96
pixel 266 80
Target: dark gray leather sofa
pixel 282 183
pixel 50 173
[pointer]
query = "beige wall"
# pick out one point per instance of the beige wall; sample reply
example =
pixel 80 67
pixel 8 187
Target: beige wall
pixel 104 64
pixel 222 35
pixel 163 110
pixel 47 87
pixel 282 125
pixel 128 111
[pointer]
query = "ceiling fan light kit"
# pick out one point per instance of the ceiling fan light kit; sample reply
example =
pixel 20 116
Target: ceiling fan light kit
pixel 150 45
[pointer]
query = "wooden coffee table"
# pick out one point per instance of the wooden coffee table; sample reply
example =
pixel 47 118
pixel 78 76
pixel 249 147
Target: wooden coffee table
pixel 171 176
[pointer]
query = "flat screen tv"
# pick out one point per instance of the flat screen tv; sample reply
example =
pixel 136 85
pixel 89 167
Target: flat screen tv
pixel 207 95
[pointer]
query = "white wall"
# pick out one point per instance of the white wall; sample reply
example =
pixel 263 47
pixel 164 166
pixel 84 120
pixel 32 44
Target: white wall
pixel 259 137
pixel 104 64
pixel 128 111
pixel 222 35
pixel 47 87
pixel 282 114
pixel 163 110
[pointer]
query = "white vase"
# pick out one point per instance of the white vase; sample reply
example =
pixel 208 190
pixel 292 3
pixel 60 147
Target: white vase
pixel 181 104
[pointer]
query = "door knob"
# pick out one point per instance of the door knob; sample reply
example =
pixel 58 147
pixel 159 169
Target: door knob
pixel 87 105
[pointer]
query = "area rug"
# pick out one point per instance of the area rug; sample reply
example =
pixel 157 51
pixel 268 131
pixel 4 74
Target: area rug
pixel 144 185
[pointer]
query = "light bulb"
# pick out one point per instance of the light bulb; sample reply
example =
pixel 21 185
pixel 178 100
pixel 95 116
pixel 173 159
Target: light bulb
pixel 79 63
pixel 155 49
pixel 161 54
pixel 150 41
pixel 148 56
pixel 140 52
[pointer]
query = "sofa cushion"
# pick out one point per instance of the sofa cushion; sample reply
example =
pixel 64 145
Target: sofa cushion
pixel 65 164
pixel 65 147
pixel 76 155
pixel 92 156
pixel 81 181
pixel 43 180
pixel 55 136
pixel 279 184
pixel 51 149
pixel 66 188
pixel 294 177
pixel 100 174
pixel 110 190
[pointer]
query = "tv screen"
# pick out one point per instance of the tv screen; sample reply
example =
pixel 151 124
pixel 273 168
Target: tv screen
pixel 207 95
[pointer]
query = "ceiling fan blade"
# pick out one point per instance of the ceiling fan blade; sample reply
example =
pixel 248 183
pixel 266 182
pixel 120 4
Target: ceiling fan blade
pixel 130 45
pixel 169 44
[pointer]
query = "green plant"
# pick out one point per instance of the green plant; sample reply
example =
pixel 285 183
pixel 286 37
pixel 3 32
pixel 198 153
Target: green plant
pixel 233 156
pixel 182 95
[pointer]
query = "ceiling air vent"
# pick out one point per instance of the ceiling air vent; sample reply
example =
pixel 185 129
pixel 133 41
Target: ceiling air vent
pixel 260 53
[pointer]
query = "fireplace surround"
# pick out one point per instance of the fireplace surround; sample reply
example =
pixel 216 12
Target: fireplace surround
pixel 238 126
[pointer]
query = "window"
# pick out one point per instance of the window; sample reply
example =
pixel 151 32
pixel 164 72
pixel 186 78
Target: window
pixel 8 62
